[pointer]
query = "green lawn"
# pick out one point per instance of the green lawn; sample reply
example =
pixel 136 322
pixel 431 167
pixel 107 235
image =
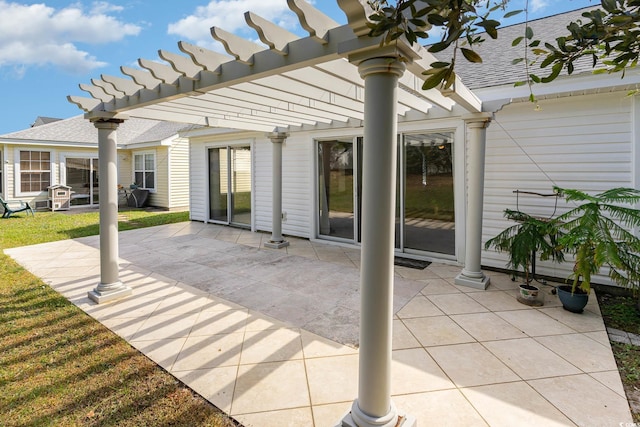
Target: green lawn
pixel 59 367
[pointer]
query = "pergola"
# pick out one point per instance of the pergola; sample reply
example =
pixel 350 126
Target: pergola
pixel 334 77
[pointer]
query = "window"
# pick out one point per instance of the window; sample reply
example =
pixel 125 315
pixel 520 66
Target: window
pixel 35 171
pixel 1 169
pixel 144 170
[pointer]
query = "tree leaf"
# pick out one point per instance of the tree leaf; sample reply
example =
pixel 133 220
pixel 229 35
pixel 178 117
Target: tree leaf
pixel 512 13
pixel 517 41
pixel 470 55
pixel 528 32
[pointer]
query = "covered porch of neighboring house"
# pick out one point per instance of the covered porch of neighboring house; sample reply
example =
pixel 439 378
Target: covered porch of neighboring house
pixel 270 336
pixel 336 77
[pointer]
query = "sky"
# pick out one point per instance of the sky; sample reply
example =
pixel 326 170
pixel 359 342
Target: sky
pixel 47 49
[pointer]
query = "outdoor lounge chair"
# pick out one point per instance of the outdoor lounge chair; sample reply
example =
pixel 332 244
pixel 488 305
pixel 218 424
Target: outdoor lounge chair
pixel 14 207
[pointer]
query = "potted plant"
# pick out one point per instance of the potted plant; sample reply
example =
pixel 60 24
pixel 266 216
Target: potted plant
pixel 598 232
pixel 530 236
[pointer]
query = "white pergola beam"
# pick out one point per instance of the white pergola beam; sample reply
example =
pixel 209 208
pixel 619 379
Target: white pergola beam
pixel 181 64
pixel 300 103
pixel 316 23
pixel 241 49
pixel 96 91
pixel 161 72
pixel 207 59
pixel 107 87
pixel 270 34
pixel 126 86
pixel 151 113
pixel 86 104
pixel 262 110
pixel 204 108
pixel 141 77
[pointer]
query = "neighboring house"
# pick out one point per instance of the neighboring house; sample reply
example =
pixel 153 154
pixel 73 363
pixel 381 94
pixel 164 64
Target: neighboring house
pixel 54 151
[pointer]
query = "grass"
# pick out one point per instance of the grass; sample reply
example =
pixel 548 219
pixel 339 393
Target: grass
pixel 621 312
pixel 60 367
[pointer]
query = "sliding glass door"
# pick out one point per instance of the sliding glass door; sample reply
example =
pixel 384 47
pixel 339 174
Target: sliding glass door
pixel 427 196
pixel 230 185
pixel 425 216
pixel 338 188
pixel 82 177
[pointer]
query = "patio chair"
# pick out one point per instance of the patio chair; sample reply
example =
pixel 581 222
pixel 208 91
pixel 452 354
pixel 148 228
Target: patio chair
pixel 14 207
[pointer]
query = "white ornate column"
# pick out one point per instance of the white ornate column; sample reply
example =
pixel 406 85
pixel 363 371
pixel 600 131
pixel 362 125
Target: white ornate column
pixel 374 407
pixel 110 286
pixel 472 275
pixel 277 241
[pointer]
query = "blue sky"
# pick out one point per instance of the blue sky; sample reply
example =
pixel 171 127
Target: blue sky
pixel 47 49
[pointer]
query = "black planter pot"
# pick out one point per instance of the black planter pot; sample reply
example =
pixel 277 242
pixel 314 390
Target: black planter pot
pixel 573 301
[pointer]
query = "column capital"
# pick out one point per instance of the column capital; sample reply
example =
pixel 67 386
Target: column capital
pixel 107 123
pixel 105 120
pixel 478 119
pixel 277 137
pixel 377 65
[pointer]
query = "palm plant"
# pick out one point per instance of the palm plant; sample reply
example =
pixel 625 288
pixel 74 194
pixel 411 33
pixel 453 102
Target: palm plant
pixel 599 233
pixel 528 236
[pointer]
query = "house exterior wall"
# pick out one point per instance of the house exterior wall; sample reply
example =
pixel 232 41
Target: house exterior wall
pixel 125 168
pixel 11 171
pixel 582 142
pixel 297 188
pixel 160 197
pixel 178 174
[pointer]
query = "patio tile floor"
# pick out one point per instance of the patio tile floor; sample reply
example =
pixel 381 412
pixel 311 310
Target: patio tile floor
pixel 270 336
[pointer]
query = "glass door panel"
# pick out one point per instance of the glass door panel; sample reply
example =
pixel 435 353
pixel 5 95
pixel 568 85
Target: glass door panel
pixel 95 182
pixel 336 188
pixel 429 220
pixel 80 180
pixel 218 184
pixel 241 185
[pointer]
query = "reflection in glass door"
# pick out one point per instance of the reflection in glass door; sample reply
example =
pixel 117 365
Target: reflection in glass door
pixel 428 219
pixel 82 177
pixel 230 185
pixel 336 188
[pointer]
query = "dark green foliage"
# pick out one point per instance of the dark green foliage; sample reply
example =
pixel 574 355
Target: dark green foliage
pixel 597 232
pixel 460 21
pixel 528 235
pixel 609 35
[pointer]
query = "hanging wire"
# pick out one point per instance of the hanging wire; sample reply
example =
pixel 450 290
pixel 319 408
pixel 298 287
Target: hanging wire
pixel 523 150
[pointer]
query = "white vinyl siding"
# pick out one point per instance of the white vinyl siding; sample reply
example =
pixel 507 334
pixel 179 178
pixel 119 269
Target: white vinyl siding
pixel 160 195
pixel 581 142
pixel 296 185
pixel 178 174
pixel 262 160
pixel 199 181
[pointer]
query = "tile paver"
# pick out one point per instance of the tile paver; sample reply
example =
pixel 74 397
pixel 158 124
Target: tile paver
pixel 231 320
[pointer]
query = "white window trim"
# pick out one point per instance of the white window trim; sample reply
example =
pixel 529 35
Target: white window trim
pixel 155 168
pixel 18 173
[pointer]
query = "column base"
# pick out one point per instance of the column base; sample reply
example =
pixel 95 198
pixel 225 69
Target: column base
pixel 276 245
pixel 357 418
pixel 400 421
pixel 472 282
pixel 116 291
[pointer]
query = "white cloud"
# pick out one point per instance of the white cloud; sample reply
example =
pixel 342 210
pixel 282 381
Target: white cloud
pixel 229 15
pixel 537 5
pixel 41 35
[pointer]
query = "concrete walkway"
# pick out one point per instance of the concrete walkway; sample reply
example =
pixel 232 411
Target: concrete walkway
pixel 270 336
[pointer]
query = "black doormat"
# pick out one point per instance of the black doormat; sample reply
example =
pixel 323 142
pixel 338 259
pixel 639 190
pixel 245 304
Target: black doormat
pixel 411 263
